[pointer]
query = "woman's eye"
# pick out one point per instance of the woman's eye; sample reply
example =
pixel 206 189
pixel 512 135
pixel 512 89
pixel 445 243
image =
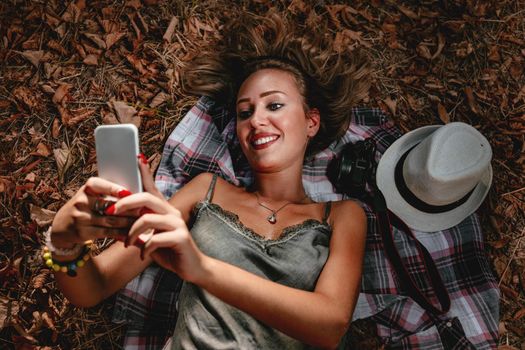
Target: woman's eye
pixel 274 106
pixel 244 114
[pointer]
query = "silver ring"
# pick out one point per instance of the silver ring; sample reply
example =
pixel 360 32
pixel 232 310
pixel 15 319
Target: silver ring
pixel 100 206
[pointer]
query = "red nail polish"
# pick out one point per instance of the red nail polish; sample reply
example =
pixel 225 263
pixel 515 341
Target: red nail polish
pixel 110 210
pixel 123 193
pixel 143 158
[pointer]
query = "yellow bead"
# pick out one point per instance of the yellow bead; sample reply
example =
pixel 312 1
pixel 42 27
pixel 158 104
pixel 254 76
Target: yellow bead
pixel 80 263
pixel 86 257
pixel 56 267
pixel 47 255
pixel 63 269
pixel 49 262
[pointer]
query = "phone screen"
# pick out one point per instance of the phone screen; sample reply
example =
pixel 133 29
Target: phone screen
pixel 117 149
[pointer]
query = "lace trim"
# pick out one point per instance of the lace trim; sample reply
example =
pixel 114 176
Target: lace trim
pixel 287 233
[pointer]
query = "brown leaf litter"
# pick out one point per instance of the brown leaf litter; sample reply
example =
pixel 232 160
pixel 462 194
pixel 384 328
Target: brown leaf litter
pixel 66 67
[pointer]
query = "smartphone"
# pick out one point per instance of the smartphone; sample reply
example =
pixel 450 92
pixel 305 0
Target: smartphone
pixel 117 149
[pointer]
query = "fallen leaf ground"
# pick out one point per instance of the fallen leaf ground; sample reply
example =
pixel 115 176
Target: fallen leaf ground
pixel 68 66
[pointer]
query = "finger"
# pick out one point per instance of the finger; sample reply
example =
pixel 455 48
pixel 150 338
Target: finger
pixel 97 186
pixel 140 200
pixel 147 176
pixel 94 232
pixel 156 222
pixel 160 240
pixel 112 221
pixel 115 225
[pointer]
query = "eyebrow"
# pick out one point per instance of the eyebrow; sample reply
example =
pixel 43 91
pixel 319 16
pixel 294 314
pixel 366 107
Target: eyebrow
pixel 266 93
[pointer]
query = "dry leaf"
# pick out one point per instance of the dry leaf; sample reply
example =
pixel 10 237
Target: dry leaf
pixel 108 117
pixel 171 28
pixel 55 130
pixel 42 217
pixel 80 50
pixel 30 177
pixel 55 45
pixel 443 115
pixel 423 51
pixel 471 100
pixel 64 160
pixel 78 116
pixel 137 64
pixel 28 97
pixel 519 314
pixel 126 113
pixel 73 11
pixel 62 94
pixel 159 99
pixel 112 38
pixel 65 115
pixel 35 57
pixel 391 104
pixel 91 60
pixel 96 39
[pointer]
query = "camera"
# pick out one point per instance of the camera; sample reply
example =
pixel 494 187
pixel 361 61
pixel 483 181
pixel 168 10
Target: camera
pixel 350 171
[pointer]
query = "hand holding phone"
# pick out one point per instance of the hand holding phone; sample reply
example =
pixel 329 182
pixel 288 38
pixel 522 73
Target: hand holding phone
pixel 117 148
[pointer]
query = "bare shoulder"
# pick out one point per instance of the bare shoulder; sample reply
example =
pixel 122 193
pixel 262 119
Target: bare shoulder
pixel 197 188
pixel 348 215
pixel 191 193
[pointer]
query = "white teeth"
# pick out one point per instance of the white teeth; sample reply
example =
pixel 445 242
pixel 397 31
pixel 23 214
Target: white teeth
pixel 264 140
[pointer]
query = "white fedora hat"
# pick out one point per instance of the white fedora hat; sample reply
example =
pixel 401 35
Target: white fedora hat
pixel 435 176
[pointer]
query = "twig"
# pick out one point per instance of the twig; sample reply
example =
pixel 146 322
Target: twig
pixel 518 190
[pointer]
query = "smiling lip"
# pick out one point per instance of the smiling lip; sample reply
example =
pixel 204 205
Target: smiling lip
pixel 262 141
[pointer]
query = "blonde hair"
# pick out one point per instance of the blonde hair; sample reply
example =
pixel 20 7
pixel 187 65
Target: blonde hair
pixel 331 80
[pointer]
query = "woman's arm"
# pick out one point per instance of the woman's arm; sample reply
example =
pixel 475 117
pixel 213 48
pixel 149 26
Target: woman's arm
pixel 108 272
pixel 319 318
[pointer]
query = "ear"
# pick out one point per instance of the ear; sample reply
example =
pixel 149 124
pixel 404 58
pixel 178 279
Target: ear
pixel 314 121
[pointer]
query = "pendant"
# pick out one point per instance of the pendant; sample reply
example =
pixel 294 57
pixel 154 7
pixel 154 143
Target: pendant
pixel 272 219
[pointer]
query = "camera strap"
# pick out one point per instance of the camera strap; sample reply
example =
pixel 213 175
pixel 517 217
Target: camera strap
pixel 386 219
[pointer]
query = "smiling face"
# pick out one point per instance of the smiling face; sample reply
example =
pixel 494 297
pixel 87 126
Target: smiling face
pixel 273 126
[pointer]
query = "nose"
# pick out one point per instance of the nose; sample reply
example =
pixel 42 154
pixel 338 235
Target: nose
pixel 259 117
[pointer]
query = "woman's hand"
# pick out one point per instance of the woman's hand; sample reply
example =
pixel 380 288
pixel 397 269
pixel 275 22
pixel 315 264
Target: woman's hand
pixel 80 219
pixel 161 231
pixel 77 221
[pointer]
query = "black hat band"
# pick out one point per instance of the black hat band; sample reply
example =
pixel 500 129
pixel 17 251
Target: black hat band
pixel 413 200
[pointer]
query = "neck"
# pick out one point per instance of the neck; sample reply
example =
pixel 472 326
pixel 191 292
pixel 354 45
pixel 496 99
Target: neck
pixel 280 186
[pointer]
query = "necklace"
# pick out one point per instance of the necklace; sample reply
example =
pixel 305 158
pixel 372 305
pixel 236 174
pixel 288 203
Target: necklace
pixel 272 218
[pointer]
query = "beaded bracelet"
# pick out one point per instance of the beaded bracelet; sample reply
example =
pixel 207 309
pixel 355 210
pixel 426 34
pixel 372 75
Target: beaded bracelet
pixel 76 249
pixel 69 267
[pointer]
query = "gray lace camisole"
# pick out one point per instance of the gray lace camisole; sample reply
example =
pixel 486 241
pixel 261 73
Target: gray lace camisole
pixel 295 260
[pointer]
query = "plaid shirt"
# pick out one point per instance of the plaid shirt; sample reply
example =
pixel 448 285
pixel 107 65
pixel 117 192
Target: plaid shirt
pixel 204 141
